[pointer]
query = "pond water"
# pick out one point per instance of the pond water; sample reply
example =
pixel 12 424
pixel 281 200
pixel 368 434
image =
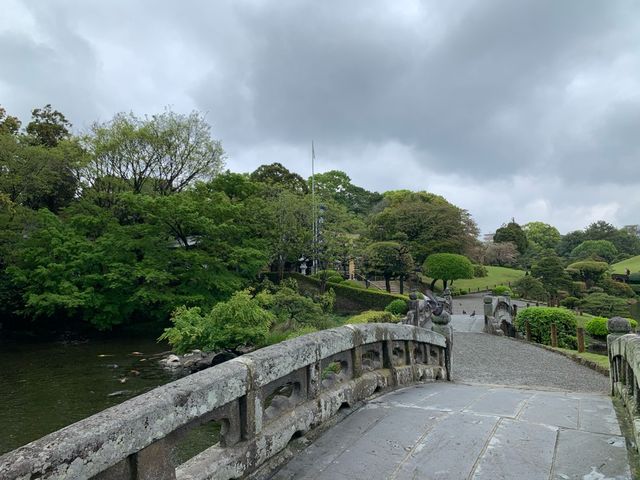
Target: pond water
pixel 46 386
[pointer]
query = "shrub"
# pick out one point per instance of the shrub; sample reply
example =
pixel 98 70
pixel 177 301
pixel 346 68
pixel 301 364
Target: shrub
pixel 617 289
pixel 335 279
pixel 352 284
pixel 290 307
pixel 397 307
pixel 502 290
pixel 480 271
pixel 634 277
pixel 597 326
pixel 366 297
pixel 588 271
pixel 326 273
pixel 530 288
pixel 373 316
pixel 540 320
pixel 327 300
pixel 603 305
pixel 594 289
pixel 238 321
pixel 570 302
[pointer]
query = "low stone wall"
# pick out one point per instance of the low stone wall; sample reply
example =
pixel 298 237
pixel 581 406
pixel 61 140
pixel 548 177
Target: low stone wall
pixel 262 400
pixel 624 369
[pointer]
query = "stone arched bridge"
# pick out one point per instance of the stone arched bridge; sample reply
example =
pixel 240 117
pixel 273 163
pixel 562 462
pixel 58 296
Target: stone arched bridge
pixel 360 402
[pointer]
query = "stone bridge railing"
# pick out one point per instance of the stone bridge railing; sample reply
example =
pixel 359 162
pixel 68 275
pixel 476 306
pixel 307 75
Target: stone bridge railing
pixel 624 369
pixel 261 401
pixel 499 315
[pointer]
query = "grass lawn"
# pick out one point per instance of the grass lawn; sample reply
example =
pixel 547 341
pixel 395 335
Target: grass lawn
pixel 496 276
pixel 633 264
pixel 601 360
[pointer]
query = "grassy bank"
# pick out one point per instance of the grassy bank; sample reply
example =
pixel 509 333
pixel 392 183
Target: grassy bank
pixel 496 276
pixel 633 264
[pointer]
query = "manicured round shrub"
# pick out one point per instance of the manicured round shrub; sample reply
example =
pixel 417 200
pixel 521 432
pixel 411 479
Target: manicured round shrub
pixel 597 326
pixel 570 302
pixel 540 320
pixel 335 279
pixel 326 273
pixel 480 271
pixel 604 305
pixel 397 307
pixel 530 288
pixel 502 290
pixel 373 316
pixel 617 289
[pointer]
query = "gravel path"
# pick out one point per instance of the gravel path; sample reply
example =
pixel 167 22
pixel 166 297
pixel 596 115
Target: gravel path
pixel 482 358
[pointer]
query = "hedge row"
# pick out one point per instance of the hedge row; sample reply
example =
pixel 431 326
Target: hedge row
pixel 540 320
pixel 348 298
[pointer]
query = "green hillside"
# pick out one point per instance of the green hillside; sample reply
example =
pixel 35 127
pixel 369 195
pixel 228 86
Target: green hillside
pixel 496 276
pixel 633 264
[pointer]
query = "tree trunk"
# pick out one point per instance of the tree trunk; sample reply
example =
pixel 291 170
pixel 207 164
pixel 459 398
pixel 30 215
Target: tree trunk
pixel 444 283
pixel 401 284
pixel 387 284
pixel 433 284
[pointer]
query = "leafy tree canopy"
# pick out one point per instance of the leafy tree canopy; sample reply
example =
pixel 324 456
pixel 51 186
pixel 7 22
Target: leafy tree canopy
pixel 337 185
pixel 430 223
pixel 542 235
pixel 447 267
pixel 277 174
pixel 512 232
pixel 48 127
pixel 595 249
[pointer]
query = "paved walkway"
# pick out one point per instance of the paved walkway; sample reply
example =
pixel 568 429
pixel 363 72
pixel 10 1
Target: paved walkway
pixel 514 411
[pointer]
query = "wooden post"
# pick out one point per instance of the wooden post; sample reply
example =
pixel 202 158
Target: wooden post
pixel 527 330
pixel 580 339
pixel 554 335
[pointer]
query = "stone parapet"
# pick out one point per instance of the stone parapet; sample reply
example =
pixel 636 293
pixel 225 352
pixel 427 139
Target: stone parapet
pixel 261 401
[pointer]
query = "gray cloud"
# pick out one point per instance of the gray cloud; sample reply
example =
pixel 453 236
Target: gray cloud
pixel 522 109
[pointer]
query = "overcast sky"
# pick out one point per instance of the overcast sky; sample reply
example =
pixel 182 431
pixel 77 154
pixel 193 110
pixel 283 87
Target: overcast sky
pixel 525 109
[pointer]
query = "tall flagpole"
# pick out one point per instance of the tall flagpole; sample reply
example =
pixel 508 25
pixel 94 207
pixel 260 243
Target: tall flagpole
pixel 314 260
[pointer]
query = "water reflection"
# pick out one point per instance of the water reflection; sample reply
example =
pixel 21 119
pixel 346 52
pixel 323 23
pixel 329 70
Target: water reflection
pixel 46 386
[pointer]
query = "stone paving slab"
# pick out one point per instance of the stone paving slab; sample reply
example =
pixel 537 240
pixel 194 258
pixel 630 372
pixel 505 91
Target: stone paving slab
pixel 456 431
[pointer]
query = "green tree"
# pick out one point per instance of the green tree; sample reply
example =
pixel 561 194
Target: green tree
pixel 570 241
pixel 38 176
pixel 165 153
pixel 447 267
pixel 430 223
pixel 550 271
pixel 388 259
pixel 596 250
pixel 8 124
pixel 337 185
pixel 530 288
pixel 512 232
pixel 542 234
pixel 48 127
pixel 589 271
pixel 278 174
